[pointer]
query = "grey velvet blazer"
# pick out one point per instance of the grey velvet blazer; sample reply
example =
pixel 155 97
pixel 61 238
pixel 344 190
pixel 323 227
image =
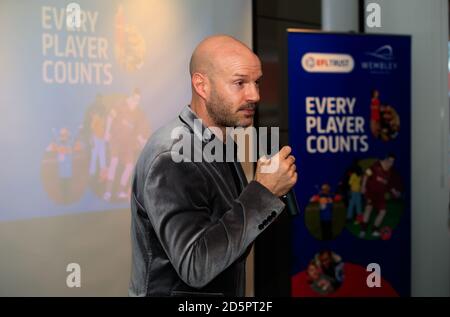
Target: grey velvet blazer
pixel 192 224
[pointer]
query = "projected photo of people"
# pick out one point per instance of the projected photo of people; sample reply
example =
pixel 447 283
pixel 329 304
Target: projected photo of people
pixel 64 167
pixel 130 46
pixel 117 129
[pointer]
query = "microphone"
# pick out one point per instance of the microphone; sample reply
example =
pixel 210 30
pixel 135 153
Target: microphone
pixel 290 201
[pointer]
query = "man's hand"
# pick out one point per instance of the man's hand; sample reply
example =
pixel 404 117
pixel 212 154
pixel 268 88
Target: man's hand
pixel 277 174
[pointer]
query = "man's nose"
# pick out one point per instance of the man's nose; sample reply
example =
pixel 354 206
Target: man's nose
pixel 252 93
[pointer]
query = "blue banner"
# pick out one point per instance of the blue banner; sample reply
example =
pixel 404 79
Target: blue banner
pixel 350 130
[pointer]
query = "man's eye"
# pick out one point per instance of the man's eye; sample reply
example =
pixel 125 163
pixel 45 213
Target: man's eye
pixel 239 83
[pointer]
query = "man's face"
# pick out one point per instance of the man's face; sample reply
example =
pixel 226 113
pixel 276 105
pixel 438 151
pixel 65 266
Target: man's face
pixel 133 101
pixel 313 272
pixel 325 260
pixel 388 163
pixel 326 189
pixel 234 91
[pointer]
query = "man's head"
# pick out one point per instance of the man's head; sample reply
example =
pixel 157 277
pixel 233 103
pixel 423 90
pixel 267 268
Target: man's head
pixel 325 188
pixel 325 258
pixel 134 99
pixel 388 161
pixel 313 271
pixel 224 76
pixel 64 134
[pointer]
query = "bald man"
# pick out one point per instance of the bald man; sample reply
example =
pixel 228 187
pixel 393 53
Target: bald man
pixel 193 223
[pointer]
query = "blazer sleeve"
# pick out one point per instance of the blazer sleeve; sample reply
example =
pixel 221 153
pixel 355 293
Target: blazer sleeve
pixel 176 197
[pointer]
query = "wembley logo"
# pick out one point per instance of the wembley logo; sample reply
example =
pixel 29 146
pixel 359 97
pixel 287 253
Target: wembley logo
pixel 384 52
pixel 383 61
pixel 327 63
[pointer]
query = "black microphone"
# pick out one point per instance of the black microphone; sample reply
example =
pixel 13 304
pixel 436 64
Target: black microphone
pixel 290 201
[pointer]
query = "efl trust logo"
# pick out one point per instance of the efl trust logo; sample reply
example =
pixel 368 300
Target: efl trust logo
pixel 327 63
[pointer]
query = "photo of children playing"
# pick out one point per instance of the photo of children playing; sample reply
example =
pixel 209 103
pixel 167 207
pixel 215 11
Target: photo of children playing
pixel 384 120
pixel 325 214
pixel 373 197
pixel 101 155
pixel 64 167
pixel 116 129
pixel 325 272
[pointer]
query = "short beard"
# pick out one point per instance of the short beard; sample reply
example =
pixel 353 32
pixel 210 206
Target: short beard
pixel 220 112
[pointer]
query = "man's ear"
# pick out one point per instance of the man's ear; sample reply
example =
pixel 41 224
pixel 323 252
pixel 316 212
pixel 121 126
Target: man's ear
pixel 201 85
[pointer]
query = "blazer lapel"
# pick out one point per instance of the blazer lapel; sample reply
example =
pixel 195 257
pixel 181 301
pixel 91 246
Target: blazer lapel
pixel 240 172
pixel 238 167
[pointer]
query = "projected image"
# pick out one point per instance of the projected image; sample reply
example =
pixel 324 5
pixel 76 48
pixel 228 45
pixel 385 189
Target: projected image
pixel 374 197
pixel 64 167
pixel 95 126
pixel 90 101
pixel 117 130
pixel 384 119
pixel 130 47
pixel 101 156
pixel 325 213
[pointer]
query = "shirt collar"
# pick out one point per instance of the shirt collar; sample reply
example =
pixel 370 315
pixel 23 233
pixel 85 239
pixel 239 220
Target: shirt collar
pixel 195 124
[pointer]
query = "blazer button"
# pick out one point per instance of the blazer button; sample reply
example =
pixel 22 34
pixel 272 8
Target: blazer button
pixel 260 227
pixel 273 214
pixel 265 222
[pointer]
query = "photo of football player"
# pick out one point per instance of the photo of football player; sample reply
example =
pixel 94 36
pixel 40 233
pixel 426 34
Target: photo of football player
pixel 378 181
pixel 375 113
pixel 384 119
pixel 126 132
